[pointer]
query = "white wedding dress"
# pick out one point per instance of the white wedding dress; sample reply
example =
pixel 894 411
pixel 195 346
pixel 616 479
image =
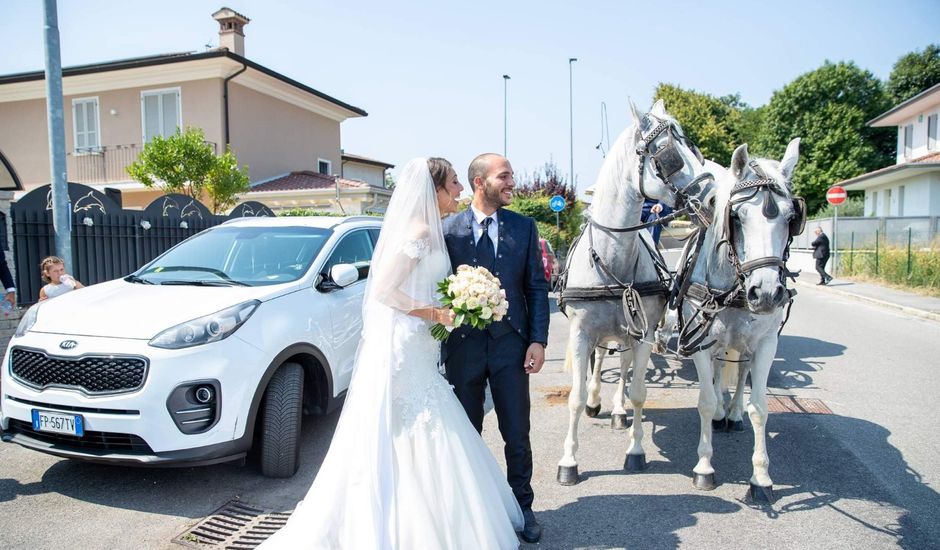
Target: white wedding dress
pixel 406 469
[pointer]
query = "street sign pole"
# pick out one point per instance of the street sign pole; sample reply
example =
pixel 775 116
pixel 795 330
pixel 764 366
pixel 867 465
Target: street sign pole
pixel 61 208
pixel 835 240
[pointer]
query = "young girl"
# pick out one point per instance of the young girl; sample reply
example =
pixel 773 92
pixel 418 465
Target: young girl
pixel 53 273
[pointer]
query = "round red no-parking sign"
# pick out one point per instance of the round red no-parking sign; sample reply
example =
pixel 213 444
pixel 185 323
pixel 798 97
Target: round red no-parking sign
pixel 836 195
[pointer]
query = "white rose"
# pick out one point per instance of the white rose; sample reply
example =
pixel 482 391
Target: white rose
pixel 472 303
pixel 486 313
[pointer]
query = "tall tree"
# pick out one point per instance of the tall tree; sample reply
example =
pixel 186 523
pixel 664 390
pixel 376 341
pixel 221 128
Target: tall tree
pixel 708 121
pixel 828 109
pixel 913 73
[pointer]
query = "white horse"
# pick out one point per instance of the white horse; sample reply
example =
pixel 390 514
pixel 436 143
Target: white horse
pixel 612 290
pixel 736 298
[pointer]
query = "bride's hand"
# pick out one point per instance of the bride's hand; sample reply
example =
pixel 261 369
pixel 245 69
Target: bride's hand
pixel 444 316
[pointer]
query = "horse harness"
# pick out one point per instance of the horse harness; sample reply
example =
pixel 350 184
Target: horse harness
pixel 707 302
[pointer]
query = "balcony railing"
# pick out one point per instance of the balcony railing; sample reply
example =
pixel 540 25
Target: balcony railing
pixel 106 164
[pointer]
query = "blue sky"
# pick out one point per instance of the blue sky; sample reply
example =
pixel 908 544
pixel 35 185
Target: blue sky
pixel 430 73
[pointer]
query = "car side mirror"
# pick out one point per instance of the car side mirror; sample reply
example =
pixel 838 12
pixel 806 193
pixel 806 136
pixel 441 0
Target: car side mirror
pixel 343 275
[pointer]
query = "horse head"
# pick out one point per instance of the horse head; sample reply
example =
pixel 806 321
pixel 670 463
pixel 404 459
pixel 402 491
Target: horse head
pixel 760 218
pixel 671 168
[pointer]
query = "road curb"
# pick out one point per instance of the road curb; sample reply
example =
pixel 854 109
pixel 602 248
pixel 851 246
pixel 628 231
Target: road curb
pixel 922 313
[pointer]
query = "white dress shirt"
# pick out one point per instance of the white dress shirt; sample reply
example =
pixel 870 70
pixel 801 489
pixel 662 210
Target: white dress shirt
pixel 493 231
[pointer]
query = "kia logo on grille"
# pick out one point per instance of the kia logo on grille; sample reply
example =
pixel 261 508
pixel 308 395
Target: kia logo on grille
pixel 68 344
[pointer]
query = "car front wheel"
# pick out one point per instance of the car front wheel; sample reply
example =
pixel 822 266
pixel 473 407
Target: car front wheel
pixel 280 427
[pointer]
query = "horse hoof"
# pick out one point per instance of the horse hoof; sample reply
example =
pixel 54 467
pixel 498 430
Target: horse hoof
pixel 635 463
pixel 618 421
pixel 704 482
pixel 568 475
pixel 735 426
pixel 760 495
pixel 720 425
pixel 592 412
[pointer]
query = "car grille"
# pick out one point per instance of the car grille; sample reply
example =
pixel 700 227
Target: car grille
pixel 92 374
pixel 91 441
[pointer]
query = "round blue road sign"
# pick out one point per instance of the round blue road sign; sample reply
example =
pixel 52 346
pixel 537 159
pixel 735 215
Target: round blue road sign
pixel 557 203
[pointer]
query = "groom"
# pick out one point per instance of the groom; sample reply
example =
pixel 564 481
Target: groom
pixel 507 352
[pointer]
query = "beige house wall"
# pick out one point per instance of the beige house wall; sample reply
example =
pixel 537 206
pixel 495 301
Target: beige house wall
pixel 27 148
pixel 274 137
pixel 369 173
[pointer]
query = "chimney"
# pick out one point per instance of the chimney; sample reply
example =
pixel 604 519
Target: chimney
pixel 231 30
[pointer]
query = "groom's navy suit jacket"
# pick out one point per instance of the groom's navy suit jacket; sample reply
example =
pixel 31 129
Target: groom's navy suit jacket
pixel 518 267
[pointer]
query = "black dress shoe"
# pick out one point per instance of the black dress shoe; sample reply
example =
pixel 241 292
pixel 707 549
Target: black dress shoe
pixel 532 532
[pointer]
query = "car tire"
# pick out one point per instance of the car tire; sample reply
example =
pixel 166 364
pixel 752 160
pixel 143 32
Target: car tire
pixel 280 424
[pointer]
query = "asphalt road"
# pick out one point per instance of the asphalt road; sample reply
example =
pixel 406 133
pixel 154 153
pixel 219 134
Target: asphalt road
pixel 862 477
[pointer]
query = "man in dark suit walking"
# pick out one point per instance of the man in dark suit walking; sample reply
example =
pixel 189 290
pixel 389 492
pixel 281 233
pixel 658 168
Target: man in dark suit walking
pixel 821 254
pixel 507 352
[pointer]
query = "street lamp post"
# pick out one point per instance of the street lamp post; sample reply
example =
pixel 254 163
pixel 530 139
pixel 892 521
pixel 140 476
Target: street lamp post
pixel 505 112
pixel 571 61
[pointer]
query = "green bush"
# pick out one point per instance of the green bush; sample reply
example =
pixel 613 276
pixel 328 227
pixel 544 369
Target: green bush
pixel 890 264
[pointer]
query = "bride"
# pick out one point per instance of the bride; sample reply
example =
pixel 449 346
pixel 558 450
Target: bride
pixel 406 469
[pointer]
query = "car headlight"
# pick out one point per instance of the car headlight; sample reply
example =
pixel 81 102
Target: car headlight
pixel 28 320
pixel 210 328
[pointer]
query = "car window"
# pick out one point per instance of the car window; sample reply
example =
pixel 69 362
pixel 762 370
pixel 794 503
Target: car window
pixel 253 256
pixel 355 249
pixel 374 233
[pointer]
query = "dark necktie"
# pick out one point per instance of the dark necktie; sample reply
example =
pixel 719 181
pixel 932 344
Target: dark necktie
pixel 486 253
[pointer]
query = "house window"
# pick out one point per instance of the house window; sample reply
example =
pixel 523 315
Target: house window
pixel 85 124
pixel 932 132
pixel 323 166
pixel 901 200
pixel 874 203
pixel 160 113
pixel 908 140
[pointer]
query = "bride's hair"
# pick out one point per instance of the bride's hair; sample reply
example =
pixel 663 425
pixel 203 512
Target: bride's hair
pixel 439 168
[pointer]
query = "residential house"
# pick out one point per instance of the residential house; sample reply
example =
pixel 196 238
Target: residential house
pixel 274 124
pixel 911 187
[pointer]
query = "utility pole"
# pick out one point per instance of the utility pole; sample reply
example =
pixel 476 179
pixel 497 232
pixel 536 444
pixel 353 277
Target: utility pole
pixel 505 112
pixel 61 206
pixel 571 61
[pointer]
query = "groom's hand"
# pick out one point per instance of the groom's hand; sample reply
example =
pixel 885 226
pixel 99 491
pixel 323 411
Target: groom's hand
pixel 534 358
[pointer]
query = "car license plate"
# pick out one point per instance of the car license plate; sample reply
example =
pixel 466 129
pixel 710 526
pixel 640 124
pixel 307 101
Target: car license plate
pixel 48 421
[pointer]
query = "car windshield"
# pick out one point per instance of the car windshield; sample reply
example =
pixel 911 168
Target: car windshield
pixel 237 256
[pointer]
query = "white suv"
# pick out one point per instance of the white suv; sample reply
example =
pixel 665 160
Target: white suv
pixel 215 348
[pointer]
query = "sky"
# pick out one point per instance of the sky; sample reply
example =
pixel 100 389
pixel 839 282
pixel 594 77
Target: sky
pixel 430 74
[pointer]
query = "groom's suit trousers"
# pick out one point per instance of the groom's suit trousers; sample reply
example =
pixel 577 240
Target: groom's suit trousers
pixel 482 357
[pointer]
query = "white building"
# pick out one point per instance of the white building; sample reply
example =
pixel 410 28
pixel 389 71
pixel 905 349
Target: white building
pixel 912 186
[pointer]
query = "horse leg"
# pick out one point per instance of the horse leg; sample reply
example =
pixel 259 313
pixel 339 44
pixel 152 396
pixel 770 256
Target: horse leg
pixel 736 409
pixel 594 384
pixel 703 474
pixel 761 489
pixel 618 414
pixel 636 456
pixel 719 386
pixel 578 354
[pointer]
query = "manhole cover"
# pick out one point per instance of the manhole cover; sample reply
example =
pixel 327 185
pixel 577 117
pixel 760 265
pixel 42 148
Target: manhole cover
pixel 236 525
pixel 790 404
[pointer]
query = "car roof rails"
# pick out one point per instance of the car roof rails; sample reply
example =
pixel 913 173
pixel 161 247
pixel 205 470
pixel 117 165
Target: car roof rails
pixel 358 219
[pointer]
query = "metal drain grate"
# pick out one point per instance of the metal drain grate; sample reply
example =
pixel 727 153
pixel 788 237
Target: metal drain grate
pixel 790 404
pixel 236 526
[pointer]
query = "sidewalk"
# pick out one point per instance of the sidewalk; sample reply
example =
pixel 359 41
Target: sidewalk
pixel 927 307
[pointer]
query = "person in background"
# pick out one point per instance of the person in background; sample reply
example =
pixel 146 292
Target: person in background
pixel 821 254
pixel 653 210
pixel 7 279
pixel 58 281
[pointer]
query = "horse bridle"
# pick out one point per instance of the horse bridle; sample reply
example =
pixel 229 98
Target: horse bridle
pixel 666 162
pixel 770 187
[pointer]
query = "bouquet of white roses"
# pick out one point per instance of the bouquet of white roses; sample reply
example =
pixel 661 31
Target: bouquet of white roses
pixel 475 296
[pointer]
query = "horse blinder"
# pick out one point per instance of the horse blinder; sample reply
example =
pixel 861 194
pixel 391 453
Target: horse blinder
pixel 798 222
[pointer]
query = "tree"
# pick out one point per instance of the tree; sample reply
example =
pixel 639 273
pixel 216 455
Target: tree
pixel 531 198
pixel 185 163
pixel 715 125
pixel 226 180
pixel 389 180
pixel 177 164
pixel 828 109
pixel 914 73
